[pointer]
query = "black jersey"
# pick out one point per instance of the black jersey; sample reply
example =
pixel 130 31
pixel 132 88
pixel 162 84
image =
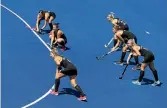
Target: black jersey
pixel 62 36
pixel 128 35
pixel 69 68
pixel 50 14
pixel 121 22
pixel 65 63
pixel 148 55
pixel 145 51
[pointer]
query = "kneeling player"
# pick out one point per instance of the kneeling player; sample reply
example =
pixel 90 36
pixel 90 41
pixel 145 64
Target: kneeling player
pixel 58 38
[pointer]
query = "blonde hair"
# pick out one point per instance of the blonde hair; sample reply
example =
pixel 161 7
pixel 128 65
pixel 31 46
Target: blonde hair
pixel 111 15
pixel 54 51
pixel 132 42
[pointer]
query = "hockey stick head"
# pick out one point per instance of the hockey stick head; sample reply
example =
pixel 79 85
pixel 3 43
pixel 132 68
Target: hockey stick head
pixel 105 46
pixel 98 58
pixel 120 77
pixel 123 71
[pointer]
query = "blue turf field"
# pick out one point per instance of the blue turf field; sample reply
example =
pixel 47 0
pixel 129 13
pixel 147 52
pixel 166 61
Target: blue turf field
pixel 28 70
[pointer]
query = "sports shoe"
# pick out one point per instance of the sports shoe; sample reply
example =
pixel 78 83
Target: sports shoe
pixel 137 67
pixel 55 93
pixel 156 83
pixel 63 48
pixel 136 82
pixel 119 63
pixel 82 98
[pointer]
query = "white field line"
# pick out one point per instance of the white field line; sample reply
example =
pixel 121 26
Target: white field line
pixel 48 92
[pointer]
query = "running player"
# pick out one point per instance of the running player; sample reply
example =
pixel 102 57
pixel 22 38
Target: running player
pixel 148 61
pixel 57 37
pixel 119 23
pixel 66 68
pixel 47 16
pixel 124 36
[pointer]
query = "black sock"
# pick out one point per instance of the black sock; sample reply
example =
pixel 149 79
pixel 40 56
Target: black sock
pixel 79 90
pixel 123 56
pixel 141 76
pixel 57 83
pixel 51 26
pixel 155 75
pixel 136 60
pixel 115 42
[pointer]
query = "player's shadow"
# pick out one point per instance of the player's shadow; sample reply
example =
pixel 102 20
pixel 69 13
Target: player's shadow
pixel 147 81
pixel 70 91
pixel 45 31
pixel 130 63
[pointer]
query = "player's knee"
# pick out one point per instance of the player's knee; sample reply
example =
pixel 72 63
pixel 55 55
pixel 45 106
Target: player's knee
pixel 58 76
pixel 50 21
pixel 73 81
pixel 124 49
pixel 60 39
pixel 142 67
pixel 73 84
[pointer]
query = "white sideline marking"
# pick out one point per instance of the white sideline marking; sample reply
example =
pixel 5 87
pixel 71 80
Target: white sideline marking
pixel 48 92
pixel 27 26
pixel 39 99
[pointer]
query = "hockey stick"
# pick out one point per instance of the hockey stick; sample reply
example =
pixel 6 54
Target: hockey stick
pixel 123 71
pixel 100 57
pixel 39 32
pixel 106 45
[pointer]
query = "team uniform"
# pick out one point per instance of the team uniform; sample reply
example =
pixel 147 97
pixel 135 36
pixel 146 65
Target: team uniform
pixel 62 36
pixel 127 35
pixel 62 43
pixel 148 55
pixel 122 24
pixel 68 68
pixel 50 14
pixel 148 59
